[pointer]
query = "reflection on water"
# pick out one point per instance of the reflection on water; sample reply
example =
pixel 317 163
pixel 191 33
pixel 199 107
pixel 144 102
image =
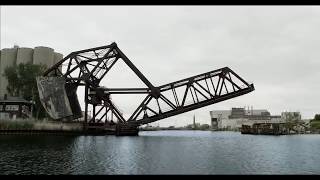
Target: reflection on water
pixel 161 152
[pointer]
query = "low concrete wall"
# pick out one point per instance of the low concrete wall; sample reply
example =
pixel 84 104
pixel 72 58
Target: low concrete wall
pixel 31 124
pixel 58 126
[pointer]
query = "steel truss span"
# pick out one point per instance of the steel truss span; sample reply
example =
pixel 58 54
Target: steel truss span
pixel 88 67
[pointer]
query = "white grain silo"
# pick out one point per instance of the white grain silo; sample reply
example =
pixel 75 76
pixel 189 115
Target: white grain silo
pixel 43 55
pixel 24 55
pixel 57 58
pixel 8 59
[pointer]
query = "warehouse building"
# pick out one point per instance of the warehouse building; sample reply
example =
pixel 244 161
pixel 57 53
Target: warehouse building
pixel 234 118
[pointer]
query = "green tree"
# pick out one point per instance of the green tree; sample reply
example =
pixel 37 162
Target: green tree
pixel 315 122
pixel 317 117
pixel 22 82
pixel 14 84
pixel 204 126
pixel 189 126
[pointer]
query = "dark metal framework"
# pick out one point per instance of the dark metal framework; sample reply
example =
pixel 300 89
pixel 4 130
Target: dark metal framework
pixel 88 67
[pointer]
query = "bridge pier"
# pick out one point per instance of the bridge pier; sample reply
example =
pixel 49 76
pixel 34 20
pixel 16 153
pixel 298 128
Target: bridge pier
pixel 127 130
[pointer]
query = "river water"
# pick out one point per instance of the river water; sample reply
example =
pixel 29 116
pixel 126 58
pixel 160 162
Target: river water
pixel 161 152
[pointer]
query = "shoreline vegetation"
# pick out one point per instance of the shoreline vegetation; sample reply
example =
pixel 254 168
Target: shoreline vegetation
pixel 311 130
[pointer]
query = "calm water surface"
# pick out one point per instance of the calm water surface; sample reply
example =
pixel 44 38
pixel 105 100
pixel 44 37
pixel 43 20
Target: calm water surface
pixel 161 152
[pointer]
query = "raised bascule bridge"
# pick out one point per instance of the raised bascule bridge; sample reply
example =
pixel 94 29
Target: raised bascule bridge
pixel 58 92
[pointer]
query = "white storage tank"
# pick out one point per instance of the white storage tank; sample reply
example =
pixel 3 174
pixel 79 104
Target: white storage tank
pixel 58 57
pixel 25 55
pixel 8 59
pixel 43 55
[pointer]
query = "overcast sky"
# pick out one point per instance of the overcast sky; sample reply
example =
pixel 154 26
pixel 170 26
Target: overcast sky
pixel 275 47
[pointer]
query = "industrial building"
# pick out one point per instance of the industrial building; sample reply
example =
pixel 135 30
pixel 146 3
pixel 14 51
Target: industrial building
pixel 15 107
pixel 14 56
pixel 290 123
pixel 233 119
pixel 291 116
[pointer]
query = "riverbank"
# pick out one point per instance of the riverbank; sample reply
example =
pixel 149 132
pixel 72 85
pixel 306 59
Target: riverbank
pixel 172 128
pixel 317 131
pixel 31 126
pixel 43 127
pixel 37 125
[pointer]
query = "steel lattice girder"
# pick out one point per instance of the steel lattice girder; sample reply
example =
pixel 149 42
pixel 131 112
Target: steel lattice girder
pixel 195 90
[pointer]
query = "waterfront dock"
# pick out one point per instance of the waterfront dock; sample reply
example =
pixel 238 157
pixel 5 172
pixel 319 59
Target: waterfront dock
pixel 36 127
pixel 33 127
